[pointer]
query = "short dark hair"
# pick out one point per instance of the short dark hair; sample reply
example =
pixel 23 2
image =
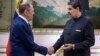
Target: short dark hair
pixel 23 7
pixel 75 4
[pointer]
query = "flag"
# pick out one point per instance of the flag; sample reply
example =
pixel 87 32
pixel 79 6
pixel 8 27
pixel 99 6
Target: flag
pixel 18 2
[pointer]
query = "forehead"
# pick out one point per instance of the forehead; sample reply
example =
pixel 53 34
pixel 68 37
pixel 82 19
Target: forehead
pixel 69 6
pixel 31 7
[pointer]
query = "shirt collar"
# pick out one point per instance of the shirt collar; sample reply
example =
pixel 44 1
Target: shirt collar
pixel 24 19
pixel 76 19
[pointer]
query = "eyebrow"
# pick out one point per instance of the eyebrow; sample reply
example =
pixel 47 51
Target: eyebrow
pixel 69 8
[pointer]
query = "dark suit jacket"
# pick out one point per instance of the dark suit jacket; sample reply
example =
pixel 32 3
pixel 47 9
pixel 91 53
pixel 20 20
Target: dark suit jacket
pixel 79 32
pixel 22 40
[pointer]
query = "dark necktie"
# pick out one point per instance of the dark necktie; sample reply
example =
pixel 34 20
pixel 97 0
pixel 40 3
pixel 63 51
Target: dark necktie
pixel 29 25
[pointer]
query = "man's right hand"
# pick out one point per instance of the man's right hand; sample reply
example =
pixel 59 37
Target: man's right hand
pixel 50 50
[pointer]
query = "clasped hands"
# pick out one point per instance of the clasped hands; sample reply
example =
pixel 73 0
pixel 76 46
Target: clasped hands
pixel 64 47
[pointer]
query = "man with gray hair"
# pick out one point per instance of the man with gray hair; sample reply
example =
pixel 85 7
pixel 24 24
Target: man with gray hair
pixel 21 37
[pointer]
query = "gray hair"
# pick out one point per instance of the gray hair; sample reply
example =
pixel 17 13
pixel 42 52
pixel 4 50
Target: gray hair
pixel 24 7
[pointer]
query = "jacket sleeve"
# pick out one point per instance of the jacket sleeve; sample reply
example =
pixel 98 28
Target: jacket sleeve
pixel 59 43
pixel 27 40
pixel 89 39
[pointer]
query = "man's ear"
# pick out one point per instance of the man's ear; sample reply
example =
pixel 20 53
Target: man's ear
pixel 25 12
pixel 77 8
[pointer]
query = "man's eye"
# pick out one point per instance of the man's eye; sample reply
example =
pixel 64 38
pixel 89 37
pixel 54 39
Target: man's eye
pixel 69 8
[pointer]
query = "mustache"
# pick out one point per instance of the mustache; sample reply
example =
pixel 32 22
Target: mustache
pixel 69 13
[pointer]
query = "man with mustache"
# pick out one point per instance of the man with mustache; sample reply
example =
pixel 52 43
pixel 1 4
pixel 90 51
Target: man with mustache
pixel 78 34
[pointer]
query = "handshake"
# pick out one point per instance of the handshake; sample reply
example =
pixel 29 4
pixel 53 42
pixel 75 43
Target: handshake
pixel 51 50
pixel 64 47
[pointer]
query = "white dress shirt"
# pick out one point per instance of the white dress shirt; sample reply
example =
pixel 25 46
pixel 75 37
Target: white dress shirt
pixel 24 19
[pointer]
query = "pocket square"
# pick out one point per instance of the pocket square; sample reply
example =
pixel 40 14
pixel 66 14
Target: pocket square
pixel 78 30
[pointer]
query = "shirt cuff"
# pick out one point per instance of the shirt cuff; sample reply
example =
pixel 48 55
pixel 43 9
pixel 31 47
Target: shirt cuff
pixel 73 46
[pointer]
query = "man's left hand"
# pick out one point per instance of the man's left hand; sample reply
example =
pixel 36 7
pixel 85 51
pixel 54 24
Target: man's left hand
pixel 68 46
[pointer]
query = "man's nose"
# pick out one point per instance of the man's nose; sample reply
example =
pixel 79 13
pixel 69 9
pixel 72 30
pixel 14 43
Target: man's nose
pixel 33 13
